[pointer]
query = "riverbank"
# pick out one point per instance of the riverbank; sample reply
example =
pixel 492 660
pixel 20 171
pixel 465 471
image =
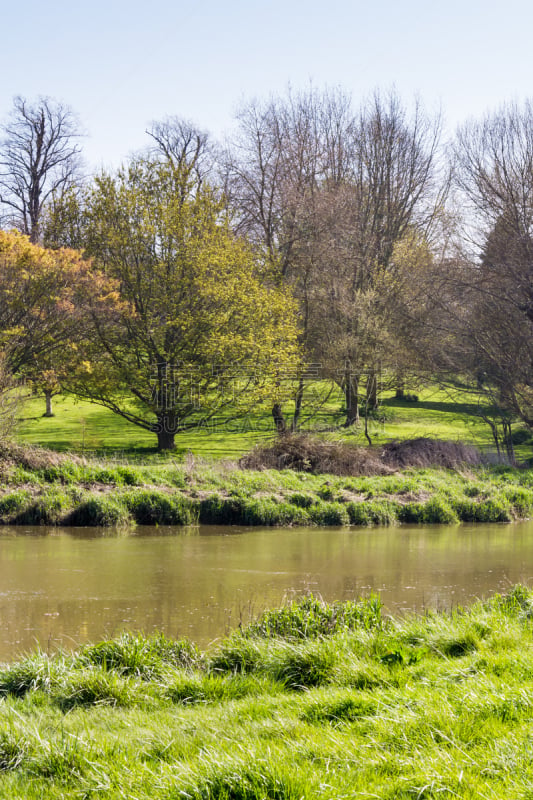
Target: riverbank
pixel 312 701
pixel 43 487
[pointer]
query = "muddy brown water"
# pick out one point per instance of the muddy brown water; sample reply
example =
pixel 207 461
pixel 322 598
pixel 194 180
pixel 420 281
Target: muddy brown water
pixel 65 587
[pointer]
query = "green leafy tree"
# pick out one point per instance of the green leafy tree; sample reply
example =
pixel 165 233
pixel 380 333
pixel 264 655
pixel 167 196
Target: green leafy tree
pixel 199 334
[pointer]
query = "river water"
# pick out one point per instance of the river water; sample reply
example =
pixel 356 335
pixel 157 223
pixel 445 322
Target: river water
pixel 64 587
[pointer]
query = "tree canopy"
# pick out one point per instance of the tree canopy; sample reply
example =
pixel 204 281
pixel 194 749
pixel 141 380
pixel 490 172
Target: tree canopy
pixel 199 331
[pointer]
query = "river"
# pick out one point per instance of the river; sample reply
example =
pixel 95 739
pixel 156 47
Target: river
pixel 64 587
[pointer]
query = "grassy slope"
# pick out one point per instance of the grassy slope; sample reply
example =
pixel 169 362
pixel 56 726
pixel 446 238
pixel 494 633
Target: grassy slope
pixel 81 426
pixel 433 707
pixel 96 493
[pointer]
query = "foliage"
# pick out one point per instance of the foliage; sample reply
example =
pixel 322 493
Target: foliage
pixel 200 331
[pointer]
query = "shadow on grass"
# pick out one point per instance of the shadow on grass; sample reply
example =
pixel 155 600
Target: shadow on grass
pixel 451 407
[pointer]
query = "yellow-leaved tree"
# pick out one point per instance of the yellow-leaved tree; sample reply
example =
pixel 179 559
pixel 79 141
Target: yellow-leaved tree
pixel 199 335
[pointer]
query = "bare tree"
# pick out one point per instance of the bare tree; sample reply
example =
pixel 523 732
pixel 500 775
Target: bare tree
pixel 329 195
pixel 185 148
pixel 39 159
pixel 494 171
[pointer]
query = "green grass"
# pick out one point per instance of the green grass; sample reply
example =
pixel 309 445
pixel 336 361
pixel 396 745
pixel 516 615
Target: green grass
pixel 293 708
pixel 83 427
pixel 104 494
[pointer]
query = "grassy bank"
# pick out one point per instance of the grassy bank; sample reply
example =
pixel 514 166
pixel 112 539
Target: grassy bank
pixel 313 701
pixel 43 488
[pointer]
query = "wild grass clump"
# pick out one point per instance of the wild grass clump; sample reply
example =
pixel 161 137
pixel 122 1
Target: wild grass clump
pixel 48 508
pixel 436 510
pixel 310 617
pixel 36 672
pixel 256 781
pixel 294 665
pixel 300 666
pixel 15 749
pixel 373 512
pixel 189 689
pixel 13 504
pixel 329 514
pixel 344 707
pixel 143 657
pixel 156 507
pixel 217 510
pixel 99 511
pixel 95 686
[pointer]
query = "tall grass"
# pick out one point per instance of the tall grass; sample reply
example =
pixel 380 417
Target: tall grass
pixel 312 701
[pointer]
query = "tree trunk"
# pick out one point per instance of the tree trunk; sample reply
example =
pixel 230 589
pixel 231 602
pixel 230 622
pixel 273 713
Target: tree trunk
pixel 166 432
pixel 298 406
pixel 48 401
pixel 279 420
pixel 351 397
pixel 372 391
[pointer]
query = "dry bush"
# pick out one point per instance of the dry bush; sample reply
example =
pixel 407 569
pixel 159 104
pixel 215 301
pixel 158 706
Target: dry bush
pixel 33 458
pixel 308 454
pixel 424 452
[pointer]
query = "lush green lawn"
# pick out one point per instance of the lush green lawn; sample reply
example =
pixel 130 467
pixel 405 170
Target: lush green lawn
pixel 313 702
pixel 84 427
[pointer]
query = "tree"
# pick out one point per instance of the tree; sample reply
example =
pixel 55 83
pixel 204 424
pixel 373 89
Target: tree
pixel 198 333
pixel 494 173
pixel 39 160
pixel 46 299
pixel 330 195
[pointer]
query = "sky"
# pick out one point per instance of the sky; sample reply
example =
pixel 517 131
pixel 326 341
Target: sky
pixel 120 64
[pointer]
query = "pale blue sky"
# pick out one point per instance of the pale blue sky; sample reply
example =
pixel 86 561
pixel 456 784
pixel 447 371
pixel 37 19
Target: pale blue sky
pixel 122 63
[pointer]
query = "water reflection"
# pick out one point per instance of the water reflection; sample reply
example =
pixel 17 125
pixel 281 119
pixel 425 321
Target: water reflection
pixel 70 586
